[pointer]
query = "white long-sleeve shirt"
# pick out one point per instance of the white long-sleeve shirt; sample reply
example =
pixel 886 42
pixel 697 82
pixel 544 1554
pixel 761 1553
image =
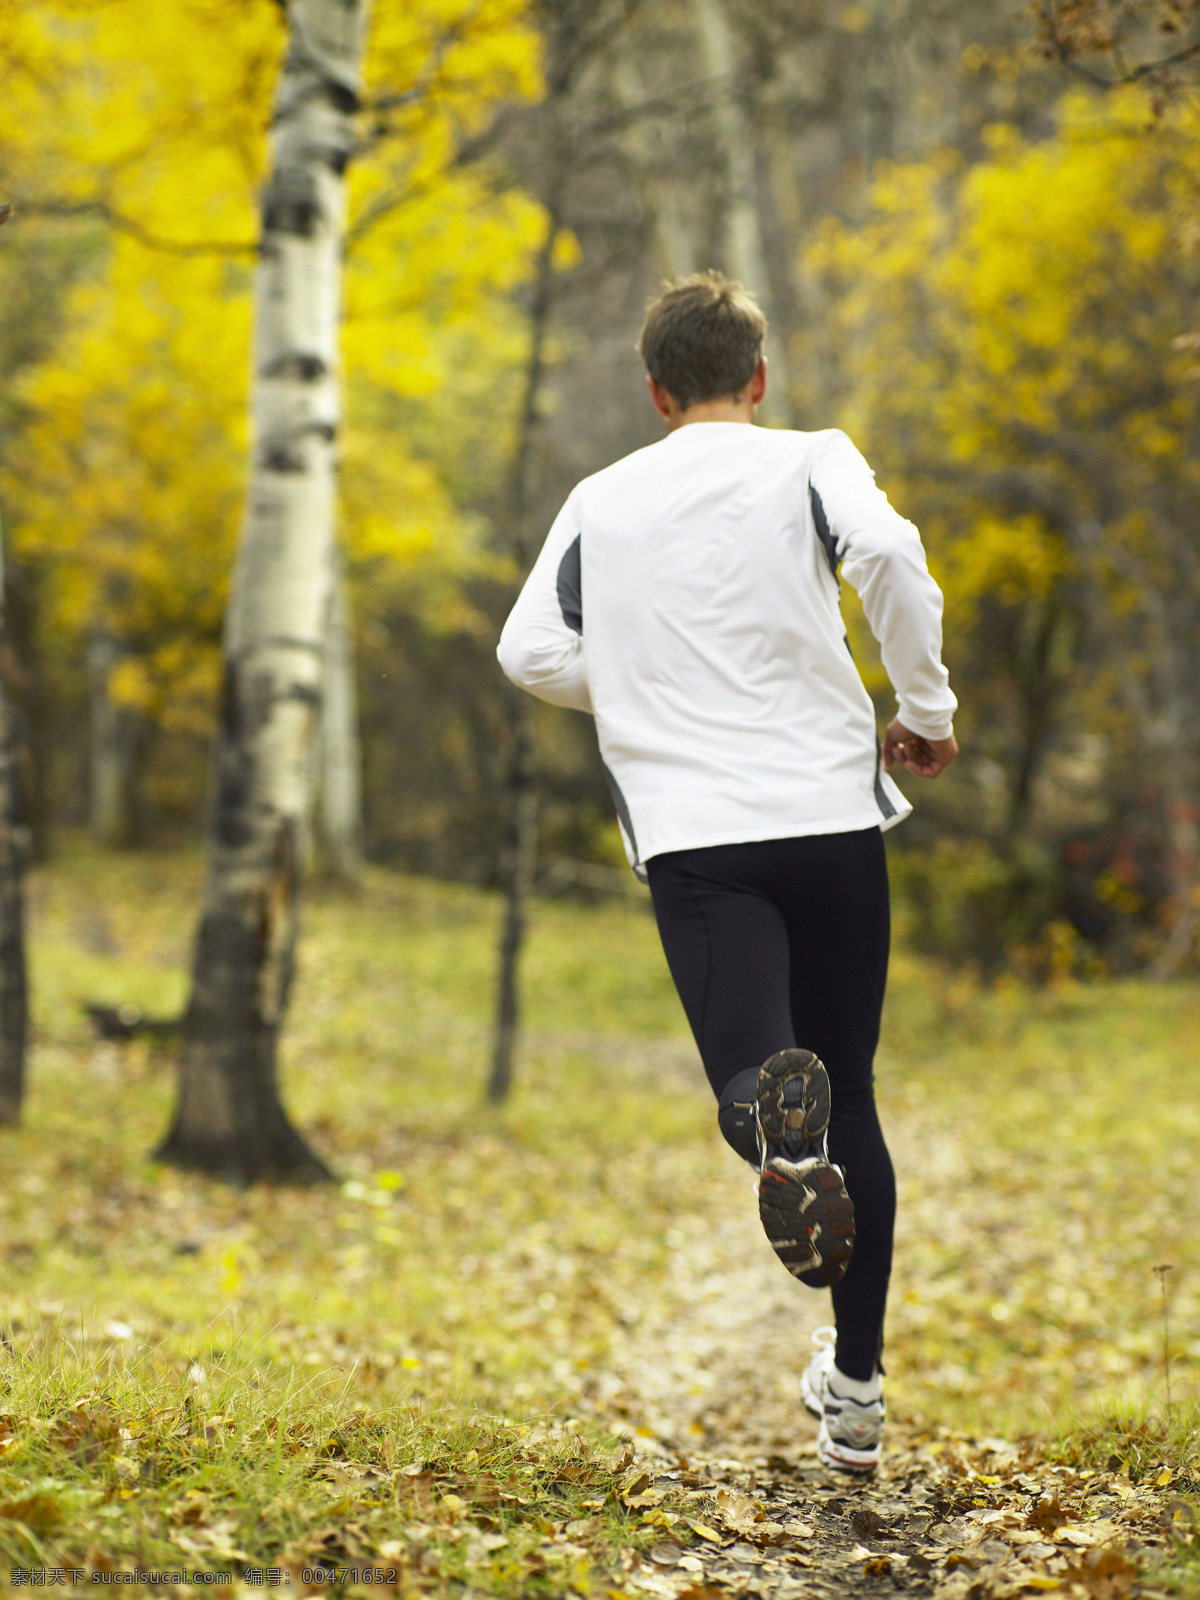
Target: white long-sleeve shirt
pixel 687 596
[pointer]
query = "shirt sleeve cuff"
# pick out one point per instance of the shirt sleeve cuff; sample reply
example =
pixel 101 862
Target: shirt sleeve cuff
pixel 928 727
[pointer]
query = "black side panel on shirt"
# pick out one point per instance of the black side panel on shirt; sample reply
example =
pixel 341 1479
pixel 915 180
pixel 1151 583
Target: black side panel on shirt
pixel 621 807
pixel 881 795
pixel 570 587
pixel 824 532
pixel 882 799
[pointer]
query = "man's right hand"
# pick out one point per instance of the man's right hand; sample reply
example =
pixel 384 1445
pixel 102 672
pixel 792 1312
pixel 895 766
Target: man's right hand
pixel 926 757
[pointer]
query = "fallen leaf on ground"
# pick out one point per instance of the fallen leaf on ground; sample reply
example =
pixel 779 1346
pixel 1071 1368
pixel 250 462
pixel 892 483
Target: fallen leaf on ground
pixel 703 1531
pixel 1049 1514
pixel 738 1510
pixel 1103 1575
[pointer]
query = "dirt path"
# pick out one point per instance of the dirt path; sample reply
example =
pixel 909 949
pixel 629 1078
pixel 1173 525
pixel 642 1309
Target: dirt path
pixel 706 1381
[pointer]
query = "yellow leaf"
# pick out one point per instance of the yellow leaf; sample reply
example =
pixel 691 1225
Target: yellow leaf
pixel 703 1531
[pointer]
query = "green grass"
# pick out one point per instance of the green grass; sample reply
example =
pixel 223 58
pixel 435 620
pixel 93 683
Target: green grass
pixel 1047 1154
pixel 449 1216
pixel 389 1367
pixel 181 1354
pixel 237 1465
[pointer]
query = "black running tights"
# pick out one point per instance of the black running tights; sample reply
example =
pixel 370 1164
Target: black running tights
pixel 784 942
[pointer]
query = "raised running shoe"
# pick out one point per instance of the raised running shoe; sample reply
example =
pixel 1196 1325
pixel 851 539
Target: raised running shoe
pixel 851 1433
pixel 802 1201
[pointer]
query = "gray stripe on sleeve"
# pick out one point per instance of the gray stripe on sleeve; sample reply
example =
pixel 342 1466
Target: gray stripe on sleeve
pixel 570 587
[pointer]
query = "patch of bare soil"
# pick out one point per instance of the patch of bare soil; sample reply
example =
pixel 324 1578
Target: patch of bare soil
pixel 707 1383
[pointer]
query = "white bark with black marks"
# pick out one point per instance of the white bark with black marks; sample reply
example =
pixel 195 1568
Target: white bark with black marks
pixel 229 1118
pixel 339 765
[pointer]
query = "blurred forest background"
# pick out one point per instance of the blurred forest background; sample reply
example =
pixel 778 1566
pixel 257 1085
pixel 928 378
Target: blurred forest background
pixel 974 229
pixel 979 265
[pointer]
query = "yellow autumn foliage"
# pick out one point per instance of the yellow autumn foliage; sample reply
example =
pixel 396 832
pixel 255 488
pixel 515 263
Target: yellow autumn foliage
pixel 1016 336
pixel 1011 331
pixel 124 484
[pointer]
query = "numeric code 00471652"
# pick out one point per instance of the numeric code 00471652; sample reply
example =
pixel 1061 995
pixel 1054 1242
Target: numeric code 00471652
pixel 387 1575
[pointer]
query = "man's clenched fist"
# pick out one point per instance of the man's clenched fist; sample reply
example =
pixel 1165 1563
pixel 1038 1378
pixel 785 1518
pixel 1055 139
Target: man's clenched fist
pixel 925 757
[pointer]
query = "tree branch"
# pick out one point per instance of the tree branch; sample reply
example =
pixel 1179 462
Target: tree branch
pixel 120 223
pixel 1067 50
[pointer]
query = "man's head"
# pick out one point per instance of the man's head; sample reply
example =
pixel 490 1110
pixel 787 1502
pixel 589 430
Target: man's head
pixel 702 340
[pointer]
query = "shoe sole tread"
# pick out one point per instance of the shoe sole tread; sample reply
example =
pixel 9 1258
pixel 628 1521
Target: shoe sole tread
pixel 806 1213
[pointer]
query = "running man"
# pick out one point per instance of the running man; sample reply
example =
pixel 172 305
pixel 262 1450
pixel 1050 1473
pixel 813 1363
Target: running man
pixel 687 596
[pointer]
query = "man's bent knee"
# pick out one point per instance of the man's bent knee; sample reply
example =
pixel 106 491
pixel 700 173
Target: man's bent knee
pixel 737 1116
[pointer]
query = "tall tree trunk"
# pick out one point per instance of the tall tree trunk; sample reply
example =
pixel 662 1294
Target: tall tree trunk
pixel 1175 736
pixel 744 255
pixel 518 867
pixel 1163 708
pixel 885 32
pixel 1183 842
pixel 14 993
pixel 573 33
pixel 229 1118
pixel 518 800
pixel 661 192
pixel 340 760
pixel 1038 686
pixel 113 753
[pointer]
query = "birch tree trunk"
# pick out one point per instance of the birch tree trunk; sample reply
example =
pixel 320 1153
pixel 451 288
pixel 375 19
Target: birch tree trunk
pixel 745 258
pixel 661 194
pixel 14 994
pixel 339 773
pixel 229 1118
pixel 113 733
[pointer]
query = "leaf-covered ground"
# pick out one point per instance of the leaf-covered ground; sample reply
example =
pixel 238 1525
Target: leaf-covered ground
pixel 437 1371
pixel 708 1384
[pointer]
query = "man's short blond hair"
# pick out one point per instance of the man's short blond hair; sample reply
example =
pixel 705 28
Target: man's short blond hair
pixel 703 338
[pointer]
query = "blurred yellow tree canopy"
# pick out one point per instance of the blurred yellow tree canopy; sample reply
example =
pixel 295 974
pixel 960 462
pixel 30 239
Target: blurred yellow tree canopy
pixel 1024 315
pixel 1015 334
pixel 1021 372
pixel 143 127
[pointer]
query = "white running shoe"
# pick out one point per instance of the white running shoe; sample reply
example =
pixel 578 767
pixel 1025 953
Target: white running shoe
pixel 851 1432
